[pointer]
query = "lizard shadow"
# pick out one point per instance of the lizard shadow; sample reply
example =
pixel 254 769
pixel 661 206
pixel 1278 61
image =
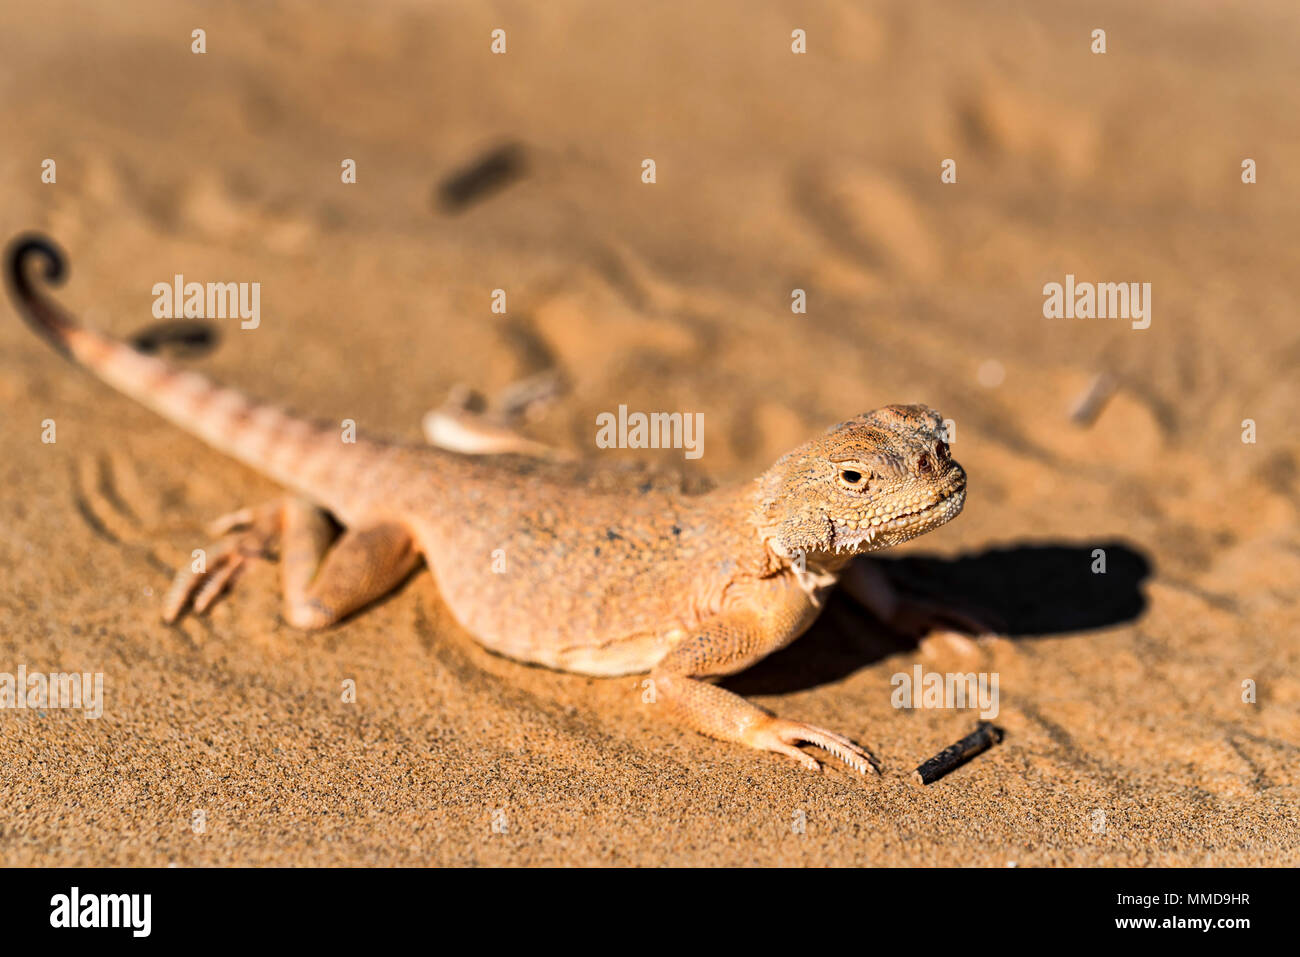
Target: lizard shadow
pixel 1031 591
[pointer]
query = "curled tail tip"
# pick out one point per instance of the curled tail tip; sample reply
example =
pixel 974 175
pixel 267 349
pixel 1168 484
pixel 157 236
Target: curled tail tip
pixel 26 245
pixel 40 312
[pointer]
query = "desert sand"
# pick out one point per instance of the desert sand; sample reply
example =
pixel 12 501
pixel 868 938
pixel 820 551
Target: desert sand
pixel 225 739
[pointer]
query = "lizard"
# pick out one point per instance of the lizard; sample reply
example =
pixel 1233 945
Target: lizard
pixel 595 580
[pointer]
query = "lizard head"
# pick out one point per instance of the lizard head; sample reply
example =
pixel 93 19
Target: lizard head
pixel 874 481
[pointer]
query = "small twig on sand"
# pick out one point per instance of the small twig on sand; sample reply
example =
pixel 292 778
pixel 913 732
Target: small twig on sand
pixel 1094 399
pixel 187 338
pixel 490 172
pixel 955 755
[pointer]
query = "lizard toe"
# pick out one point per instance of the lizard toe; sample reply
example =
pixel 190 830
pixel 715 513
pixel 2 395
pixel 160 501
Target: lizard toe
pixel 217 582
pixel 202 582
pixel 781 735
pixel 807 760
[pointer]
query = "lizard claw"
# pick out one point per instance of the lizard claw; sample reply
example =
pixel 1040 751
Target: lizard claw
pixel 245 535
pixel 781 736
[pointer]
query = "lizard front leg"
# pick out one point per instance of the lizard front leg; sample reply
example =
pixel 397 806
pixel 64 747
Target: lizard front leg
pixel 928 622
pixel 730 643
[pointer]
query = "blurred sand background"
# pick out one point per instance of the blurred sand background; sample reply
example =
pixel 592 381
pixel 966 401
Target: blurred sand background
pixel 1120 693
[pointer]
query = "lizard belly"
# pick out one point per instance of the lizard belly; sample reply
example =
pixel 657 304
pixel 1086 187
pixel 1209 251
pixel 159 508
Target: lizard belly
pixel 587 584
pixel 568 626
pixel 627 655
pixel 579 651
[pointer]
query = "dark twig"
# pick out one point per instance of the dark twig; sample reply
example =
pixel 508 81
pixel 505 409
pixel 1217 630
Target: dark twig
pixel 490 172
pixel 1089 405
pixel 955 755
pixel 189 338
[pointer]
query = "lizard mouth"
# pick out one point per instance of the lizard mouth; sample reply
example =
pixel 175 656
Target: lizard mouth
pixel 891 526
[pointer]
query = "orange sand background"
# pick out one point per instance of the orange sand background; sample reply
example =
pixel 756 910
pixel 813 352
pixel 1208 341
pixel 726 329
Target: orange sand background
pixel 1120 693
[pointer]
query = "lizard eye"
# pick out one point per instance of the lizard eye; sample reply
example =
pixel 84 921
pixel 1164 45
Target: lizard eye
pixel 853 479
pixel 923 464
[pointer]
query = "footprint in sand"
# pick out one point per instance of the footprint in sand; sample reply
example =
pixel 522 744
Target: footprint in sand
pixel 209 206
pixel 998 117
pixel 871 218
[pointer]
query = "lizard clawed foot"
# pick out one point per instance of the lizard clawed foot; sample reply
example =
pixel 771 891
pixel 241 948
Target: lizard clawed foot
pixel 242 536
pixel 780 735
pixel 470 424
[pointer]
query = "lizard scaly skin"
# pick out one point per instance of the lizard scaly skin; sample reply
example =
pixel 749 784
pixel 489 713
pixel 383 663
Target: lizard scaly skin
pixel 598 580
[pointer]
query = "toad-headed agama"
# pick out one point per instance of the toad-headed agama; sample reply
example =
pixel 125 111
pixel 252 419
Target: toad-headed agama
pixel 600 580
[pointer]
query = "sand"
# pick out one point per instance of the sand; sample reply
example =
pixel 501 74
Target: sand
pixel 226 740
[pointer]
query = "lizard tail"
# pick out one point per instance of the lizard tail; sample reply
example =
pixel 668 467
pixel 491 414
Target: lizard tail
pixel 288 448
pixel 41 314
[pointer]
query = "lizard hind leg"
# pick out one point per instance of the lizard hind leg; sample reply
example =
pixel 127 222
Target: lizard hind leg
pixel 323 585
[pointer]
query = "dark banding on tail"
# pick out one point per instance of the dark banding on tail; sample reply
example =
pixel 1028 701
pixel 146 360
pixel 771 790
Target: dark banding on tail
pixel 296 451
pixel 39 312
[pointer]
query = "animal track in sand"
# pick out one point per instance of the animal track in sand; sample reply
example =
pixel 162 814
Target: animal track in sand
pixel 871 217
